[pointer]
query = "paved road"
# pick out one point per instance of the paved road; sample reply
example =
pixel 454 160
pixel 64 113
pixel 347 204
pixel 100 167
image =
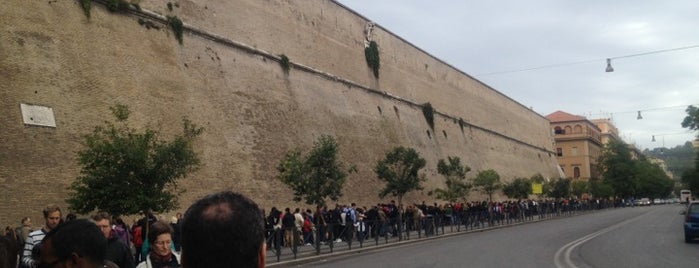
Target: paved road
pixel 630 237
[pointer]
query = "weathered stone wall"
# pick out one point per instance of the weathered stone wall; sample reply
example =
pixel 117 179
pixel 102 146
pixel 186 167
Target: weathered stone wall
pixel 252 112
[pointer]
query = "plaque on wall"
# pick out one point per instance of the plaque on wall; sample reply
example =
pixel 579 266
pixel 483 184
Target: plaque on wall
pixel 37 115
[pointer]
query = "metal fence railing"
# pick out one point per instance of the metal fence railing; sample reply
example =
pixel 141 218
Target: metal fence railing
pixel 292 243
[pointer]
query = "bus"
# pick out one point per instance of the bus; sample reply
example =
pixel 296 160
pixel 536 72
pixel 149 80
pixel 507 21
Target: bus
pixel 685 195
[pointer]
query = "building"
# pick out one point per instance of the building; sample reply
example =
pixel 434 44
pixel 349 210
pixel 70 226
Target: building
pixel 60 72
pixel 578 143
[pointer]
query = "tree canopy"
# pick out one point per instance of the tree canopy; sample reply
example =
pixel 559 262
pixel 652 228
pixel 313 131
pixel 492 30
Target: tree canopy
pixel 559 188
pixel 690 178
pixel 399 169
pixel 617 168
pixel 126 172
pixel 455 175
pixel 318 176
pixel 519 188
pixel 488 181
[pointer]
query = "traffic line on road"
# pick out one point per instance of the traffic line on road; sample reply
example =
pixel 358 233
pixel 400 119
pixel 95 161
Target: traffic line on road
pixel 562 257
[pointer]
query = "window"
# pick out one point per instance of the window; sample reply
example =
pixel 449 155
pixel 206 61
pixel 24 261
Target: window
pixel 558 131
pixel 576 172
pixel 577 129
pixel 559 151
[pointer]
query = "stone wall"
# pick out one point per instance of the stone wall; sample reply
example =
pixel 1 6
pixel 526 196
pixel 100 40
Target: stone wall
pixel 226 78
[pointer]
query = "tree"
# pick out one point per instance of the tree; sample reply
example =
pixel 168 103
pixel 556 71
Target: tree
pixel 454 174
pixel 691 121
pixel 578 188
pixel 560 188
pixel 600 189
pixel 126 172
pixel 519 188
pixel 399 169
pixel 488 181
pixel 617 168
pixel 690 177
pixel 317 177
pixel 652 181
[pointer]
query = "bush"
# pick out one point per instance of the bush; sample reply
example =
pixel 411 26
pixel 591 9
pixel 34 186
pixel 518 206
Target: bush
pixel 372 57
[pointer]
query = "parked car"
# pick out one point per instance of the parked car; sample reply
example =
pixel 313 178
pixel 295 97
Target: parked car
pixel 691 221
pixel 644 202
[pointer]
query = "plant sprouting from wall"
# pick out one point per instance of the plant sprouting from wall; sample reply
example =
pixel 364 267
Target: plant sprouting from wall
pixel 118 5
pixel 284 62
pixel 428 111
pixel 86 5
pixel 177 27
pixel 372 57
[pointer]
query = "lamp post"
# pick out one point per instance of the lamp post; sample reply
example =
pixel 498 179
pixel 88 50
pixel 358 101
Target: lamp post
pixel 662 149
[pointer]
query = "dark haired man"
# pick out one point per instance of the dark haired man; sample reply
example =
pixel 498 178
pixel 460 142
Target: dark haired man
pixel 77 243
pixel 225 229
pixel 52 217
pixel 117 252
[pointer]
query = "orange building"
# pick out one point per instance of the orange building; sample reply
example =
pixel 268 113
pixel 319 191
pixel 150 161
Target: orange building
pixel 579 143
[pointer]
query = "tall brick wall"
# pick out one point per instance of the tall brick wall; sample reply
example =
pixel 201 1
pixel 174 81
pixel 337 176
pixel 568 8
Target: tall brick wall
pixel 225 77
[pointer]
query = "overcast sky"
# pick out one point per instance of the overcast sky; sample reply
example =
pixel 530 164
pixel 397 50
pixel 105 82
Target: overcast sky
pixel 490 40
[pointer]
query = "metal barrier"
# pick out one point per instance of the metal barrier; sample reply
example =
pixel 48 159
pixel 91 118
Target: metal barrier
pixel 333 237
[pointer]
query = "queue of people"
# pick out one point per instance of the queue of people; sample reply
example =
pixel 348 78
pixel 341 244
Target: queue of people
pixel 347 223
pixel 224 229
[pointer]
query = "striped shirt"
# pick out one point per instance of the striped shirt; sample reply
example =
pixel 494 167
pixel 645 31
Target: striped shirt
pixel 33 239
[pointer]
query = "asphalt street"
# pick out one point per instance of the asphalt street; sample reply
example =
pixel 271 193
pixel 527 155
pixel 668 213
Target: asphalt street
pixel 629 237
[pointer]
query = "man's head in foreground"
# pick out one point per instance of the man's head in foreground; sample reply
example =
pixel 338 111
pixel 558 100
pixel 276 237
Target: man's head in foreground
pixel 225 229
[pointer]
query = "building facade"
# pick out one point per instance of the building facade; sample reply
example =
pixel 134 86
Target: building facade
pixel 578 143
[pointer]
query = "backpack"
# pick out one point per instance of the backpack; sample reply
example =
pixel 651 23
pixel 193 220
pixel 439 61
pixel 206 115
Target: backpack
pixel 20 237
pixel 137 236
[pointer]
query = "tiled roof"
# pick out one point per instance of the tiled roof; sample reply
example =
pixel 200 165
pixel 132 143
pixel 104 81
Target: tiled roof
pixel 561 116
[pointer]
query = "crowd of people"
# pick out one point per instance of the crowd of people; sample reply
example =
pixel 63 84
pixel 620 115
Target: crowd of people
pixel 292 228
pixel 219 225
pixel 225 229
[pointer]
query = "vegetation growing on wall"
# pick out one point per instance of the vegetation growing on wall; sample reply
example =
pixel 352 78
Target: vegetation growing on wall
pixel 461 124
pixel 428 111
pixel 112 5
pixel 284 62
pixel 118 5
pixel 372 57
pixel 177 27
pixel 86 5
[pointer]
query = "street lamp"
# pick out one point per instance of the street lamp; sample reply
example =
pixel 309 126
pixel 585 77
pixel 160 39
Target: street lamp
pixel 609 66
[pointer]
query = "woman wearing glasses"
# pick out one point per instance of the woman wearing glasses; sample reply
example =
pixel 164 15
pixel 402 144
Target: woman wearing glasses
pixel 161 254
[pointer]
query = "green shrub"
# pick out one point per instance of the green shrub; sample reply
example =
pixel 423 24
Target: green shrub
pixel 428 111
pixel 118 5
pixel 372 57
pixel 86 5
pixel 284 62
pixel 177 27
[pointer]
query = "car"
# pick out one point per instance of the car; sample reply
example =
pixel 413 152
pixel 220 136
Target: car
pixel 644 202
pixel 691 221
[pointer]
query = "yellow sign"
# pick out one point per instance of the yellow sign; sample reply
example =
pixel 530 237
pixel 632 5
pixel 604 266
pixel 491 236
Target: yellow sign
pixel 537 188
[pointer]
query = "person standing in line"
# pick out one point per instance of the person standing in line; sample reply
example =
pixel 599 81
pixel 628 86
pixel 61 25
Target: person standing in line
pixel 77 243
pixel 161 254
pixel 117 252
pixel 225 229
pixel 52 217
